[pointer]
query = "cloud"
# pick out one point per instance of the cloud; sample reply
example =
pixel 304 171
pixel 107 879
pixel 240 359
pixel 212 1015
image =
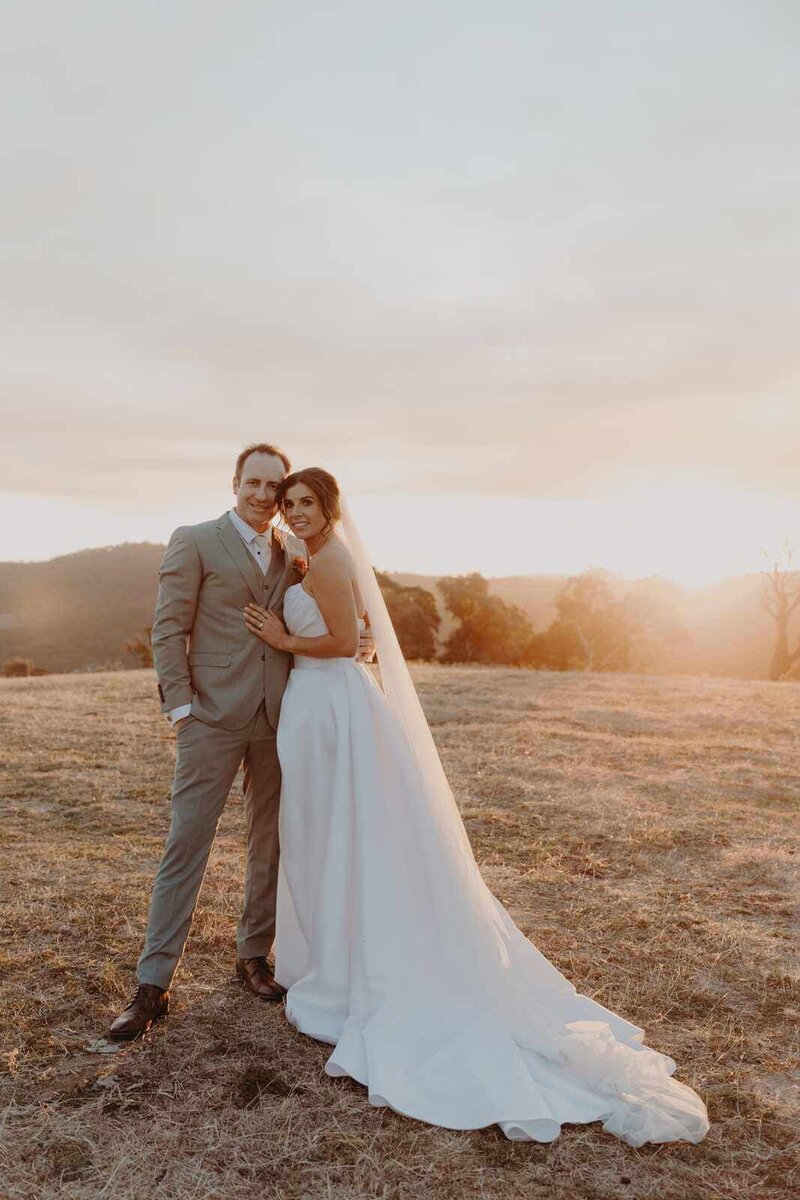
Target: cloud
pixel 470 253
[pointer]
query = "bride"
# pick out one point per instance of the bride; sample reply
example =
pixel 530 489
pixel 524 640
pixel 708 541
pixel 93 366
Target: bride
pixel 391 945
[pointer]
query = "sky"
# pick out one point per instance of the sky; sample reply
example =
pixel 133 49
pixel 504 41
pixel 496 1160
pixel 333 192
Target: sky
pixel 524 275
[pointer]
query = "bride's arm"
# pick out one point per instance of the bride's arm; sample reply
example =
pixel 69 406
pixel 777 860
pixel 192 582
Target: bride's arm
pixel 333 592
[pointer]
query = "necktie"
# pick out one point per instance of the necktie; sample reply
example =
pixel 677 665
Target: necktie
pixel 262 551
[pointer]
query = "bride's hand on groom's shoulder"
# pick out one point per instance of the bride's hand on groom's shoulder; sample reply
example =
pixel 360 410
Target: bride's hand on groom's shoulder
pixel 266 626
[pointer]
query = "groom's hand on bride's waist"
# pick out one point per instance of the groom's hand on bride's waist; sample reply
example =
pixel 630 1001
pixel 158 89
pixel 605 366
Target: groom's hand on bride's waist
pixel 366 646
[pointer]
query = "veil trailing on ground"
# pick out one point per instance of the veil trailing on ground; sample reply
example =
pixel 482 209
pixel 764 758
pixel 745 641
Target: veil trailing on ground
pixel 394 949
pixel 399 689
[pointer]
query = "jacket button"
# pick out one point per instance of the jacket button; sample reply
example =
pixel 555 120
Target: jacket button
pixel 264 657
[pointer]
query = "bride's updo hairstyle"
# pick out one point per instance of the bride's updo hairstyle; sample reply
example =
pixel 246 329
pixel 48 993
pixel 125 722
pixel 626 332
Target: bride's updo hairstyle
pixel 324 487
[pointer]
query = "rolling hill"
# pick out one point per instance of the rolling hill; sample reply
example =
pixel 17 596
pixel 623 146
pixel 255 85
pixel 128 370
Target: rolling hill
pixel 78 610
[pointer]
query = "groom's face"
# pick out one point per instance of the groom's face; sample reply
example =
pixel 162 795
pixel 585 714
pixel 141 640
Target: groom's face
pixel 255 490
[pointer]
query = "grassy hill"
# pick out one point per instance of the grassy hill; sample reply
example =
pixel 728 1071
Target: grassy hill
pixel 78 609
pixel 642 831
pixel 82 608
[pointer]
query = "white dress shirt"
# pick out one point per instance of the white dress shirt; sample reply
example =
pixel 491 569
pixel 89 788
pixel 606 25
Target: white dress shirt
pixel 260 547
pixel 259 544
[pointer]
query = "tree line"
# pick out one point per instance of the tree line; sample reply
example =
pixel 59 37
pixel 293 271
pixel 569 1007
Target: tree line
pixel 595 626
pixel 594 629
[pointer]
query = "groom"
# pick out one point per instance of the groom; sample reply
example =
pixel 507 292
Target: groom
pixel 221 688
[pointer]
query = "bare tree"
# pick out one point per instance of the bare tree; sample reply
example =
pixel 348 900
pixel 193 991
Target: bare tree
pixel 780 596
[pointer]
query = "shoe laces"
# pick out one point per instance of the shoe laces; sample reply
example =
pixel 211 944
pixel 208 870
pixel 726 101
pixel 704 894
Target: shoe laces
pixel 140 996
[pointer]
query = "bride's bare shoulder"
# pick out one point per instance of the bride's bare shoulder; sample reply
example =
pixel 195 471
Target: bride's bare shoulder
pixel 334 560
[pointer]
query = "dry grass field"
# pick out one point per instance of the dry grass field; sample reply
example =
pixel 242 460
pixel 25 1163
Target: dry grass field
pixel 642 831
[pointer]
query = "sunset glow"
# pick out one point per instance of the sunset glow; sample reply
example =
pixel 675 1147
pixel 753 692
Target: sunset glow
pixel 535 325
pixel 684 530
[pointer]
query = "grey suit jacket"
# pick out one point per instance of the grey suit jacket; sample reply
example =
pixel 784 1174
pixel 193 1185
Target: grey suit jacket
pixel 202 651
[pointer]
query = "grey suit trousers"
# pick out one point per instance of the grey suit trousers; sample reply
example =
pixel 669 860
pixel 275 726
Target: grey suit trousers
pixel 207 761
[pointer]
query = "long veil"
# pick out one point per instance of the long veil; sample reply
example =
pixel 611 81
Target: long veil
pixel 434 1000
pixel 398 687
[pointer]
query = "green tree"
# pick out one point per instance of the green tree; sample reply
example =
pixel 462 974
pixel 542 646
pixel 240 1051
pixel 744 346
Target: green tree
pixel 598 630
pixel 414 615
pixel 590 632
pixel 489 630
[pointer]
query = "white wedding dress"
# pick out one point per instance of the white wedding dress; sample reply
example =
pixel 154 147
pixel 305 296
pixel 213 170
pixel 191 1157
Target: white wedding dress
pixel 395 952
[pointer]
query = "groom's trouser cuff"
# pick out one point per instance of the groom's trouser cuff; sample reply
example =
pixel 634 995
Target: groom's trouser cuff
pixel 158 977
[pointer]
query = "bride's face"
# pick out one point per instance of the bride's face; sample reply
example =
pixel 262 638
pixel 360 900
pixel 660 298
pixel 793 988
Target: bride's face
pixel 303 512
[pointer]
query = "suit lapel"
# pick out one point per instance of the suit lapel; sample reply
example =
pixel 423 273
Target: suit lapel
pixel 242 558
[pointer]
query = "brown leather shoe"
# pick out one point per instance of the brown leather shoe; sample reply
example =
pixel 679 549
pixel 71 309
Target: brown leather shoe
pixel 255 974
pixel 148 1004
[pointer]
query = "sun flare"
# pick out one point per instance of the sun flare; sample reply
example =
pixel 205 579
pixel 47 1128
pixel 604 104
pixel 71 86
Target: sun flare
pixel 687 530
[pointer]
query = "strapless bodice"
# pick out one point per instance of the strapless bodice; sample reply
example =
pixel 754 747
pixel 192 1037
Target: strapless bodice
pixel 303 618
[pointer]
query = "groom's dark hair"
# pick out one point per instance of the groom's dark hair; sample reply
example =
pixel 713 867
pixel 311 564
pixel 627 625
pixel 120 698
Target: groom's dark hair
pixel 260 448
